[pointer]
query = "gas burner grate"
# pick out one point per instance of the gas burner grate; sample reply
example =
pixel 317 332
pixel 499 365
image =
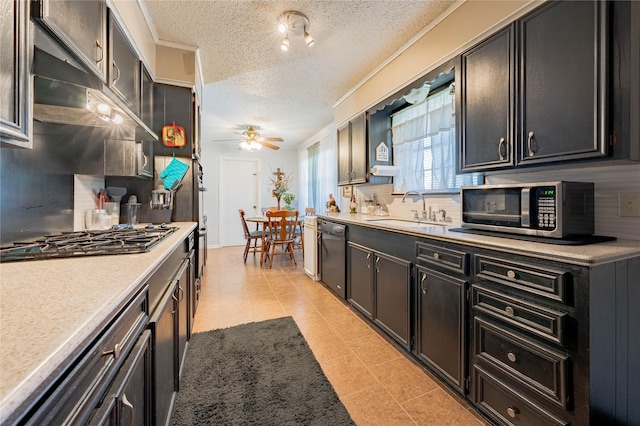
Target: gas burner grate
pixel 87 243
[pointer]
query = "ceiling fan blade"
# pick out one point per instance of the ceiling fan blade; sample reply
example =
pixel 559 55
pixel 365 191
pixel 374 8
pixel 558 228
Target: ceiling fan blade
pixel 268 145
pixel 273 139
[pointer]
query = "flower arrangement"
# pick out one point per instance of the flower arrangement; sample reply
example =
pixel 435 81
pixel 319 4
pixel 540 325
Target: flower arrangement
pixel 280 185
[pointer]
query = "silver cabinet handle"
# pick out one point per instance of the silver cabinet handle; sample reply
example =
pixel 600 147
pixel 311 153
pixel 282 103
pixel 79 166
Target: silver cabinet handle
pixel 500 145
pixel 131 408
pixel 512 412
pixel 347 174
pixel 510 312
pixel 511 274
pixel 512 357
pixel 422 281
pixel 436 256
pixel 368 261
pixel 529 139
pixel 377 263
pixel 100 51
pixel 115 67
pixel 115 351
pixel 352 175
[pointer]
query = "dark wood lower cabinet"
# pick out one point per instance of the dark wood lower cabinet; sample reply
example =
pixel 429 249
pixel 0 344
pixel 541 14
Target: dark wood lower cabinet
pixel 392 284
pixel 441 317
pixel 182 301
pixel 163 328
pixel 360 279
pixel 128 401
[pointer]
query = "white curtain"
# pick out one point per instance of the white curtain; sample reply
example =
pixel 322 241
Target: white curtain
pixel 424 145
pixel 327 176
pixel 303 180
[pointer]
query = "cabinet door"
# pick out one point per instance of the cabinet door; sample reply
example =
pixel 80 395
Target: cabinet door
pixel 80 25
pixel 563 82
pixel 360 284
pixel 487 104
pixel 344 156
pixel 163 325
pixel 146 97
pixel 440 340
pixel 182 301
pixel 15 107
pixel 392 283
pixel 124 70
pixel 128 401
pixel 359 150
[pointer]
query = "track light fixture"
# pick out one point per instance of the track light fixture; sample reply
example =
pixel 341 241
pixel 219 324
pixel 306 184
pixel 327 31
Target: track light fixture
pixel 293 22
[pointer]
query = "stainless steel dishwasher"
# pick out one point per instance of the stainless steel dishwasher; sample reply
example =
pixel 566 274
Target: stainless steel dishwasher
pixel 332 240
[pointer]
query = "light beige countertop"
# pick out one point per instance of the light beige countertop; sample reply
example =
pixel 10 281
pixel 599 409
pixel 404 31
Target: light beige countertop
pixel 584 255
pixel 50 308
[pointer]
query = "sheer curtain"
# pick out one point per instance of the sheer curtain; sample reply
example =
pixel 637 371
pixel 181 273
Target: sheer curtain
pixel 318 173
pixel 424 145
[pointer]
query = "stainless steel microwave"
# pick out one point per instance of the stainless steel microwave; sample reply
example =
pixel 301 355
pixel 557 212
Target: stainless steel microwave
pixel 547 209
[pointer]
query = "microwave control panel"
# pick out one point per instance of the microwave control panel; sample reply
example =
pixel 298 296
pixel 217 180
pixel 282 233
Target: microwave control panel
pixel 545 203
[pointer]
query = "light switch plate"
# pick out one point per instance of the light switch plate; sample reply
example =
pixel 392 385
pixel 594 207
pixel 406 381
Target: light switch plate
pixel 629 204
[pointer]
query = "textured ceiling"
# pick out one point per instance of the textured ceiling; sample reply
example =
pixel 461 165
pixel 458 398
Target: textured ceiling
pixel 250 80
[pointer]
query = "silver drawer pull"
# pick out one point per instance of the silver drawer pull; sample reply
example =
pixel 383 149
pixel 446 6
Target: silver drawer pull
pixel 511 274
pixel 510 312
pixel 436 256
pixel 512 357
pixel 115 351
pixel 512 412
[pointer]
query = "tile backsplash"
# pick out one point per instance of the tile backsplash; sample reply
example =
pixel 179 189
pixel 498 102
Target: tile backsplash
pixel 85 197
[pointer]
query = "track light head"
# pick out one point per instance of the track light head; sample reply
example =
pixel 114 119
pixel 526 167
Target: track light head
pixel 294 23
pixel 308 39
pixel 285 43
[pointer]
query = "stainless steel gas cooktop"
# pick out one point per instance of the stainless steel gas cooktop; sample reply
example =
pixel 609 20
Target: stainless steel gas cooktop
pixel 87 243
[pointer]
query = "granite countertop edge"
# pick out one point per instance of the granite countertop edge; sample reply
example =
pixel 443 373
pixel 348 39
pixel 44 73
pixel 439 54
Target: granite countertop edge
pixel 583 255
pixel 74 298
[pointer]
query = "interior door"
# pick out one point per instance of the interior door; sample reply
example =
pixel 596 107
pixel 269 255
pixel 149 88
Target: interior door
pixel 238 190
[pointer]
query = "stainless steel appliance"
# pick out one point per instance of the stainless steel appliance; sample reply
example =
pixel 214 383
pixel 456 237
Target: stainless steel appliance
pixel 546 209
pixel 117 240
pixel 333 249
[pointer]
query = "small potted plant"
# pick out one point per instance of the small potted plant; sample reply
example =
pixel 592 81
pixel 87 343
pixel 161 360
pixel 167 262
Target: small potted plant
pixel 288 199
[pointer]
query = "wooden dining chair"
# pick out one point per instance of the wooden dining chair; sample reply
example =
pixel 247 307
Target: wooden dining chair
pixel 251 237
pixel 309 211
pixel 282 232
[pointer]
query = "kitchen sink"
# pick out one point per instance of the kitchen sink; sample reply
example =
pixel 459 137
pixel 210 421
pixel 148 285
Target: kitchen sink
pixel 406 223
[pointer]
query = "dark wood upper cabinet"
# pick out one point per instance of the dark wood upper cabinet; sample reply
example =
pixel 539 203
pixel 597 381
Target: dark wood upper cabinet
pixel 80 25
pixel 536 91
pixel 146 97
pixel 124 67
pixel 15 107
pixel 352 151
pixel 563 82
pixel 487 104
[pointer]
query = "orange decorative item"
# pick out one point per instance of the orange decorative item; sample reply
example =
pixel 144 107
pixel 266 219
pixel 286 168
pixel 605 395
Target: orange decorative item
pixel 173 136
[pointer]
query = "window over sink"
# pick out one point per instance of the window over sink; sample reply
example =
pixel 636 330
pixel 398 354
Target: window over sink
pixel 424 142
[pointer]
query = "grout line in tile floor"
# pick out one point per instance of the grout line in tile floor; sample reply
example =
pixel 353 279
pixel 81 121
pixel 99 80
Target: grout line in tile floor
pixel 375 380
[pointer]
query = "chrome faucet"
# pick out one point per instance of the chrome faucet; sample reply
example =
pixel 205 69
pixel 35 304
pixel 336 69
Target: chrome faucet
pixel 424 207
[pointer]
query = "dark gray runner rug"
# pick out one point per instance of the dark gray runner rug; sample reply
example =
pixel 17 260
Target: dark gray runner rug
pixel 255 374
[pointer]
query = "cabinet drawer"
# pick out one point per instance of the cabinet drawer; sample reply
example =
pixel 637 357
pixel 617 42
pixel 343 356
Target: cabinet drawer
pixel 437 255
pixel 506 406
pixel 539 320
pixel 545 282
pixel 79 391
pixel 534 367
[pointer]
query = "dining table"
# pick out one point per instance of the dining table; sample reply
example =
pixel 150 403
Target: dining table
pixel 264 221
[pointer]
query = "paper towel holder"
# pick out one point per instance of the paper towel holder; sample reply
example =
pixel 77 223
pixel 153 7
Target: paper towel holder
pixel 385 170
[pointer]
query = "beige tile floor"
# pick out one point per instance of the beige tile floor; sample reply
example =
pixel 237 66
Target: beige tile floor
pixel 376 383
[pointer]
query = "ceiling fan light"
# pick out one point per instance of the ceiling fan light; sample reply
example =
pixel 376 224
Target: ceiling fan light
pixel 245 146
pixel 282 27
pixel 308 39
pixel 285 43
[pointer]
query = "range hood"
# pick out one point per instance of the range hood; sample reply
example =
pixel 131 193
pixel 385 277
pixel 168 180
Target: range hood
pixel 64 93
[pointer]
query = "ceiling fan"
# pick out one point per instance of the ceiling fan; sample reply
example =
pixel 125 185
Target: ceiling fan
pixel 252 141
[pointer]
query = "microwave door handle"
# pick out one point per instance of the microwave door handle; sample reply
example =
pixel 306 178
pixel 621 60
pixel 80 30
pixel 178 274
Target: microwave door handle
pixel 525 208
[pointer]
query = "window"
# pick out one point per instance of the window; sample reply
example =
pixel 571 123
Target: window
pixel 424 145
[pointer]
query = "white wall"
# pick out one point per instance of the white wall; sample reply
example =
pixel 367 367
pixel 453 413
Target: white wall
pixel 270 160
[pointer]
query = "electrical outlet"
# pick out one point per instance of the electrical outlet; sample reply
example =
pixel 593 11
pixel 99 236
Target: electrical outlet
pixel 629 204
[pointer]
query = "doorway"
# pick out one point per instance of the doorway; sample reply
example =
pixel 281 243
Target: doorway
pixel 239 180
